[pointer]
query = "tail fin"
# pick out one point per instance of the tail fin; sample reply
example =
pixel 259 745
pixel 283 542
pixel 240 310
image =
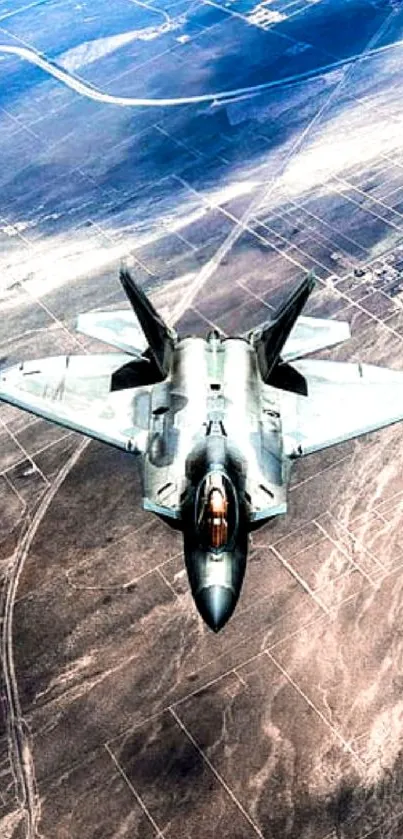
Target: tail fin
pixel 272 338
pixel 161 339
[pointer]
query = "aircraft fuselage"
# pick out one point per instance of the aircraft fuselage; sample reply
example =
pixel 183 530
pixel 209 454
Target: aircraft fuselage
pixel 214 439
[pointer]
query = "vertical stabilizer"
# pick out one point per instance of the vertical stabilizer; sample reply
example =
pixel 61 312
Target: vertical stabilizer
pixel 273 336
pixel 160 338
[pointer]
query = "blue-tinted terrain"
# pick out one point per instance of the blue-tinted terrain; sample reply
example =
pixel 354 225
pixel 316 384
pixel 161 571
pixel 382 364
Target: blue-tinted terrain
pixel 173 52
pixel 222 150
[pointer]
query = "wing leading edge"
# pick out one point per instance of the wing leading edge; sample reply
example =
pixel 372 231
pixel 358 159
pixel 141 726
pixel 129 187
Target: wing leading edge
pixel 344 401
pixel 74 391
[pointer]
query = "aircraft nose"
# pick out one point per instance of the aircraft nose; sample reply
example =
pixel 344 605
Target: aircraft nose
pixel 216 604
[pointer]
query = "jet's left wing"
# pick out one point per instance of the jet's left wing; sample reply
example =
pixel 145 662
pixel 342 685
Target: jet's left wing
pixel 74 391
pixel 343 401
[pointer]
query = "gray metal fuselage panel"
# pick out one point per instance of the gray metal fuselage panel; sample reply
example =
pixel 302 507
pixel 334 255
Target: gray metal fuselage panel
pixel 214 388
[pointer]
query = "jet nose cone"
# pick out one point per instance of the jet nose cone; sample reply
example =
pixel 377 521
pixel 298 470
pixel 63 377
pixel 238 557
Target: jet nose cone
pixel 216 604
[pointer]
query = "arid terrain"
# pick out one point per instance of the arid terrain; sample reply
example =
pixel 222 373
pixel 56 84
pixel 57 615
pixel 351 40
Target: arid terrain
pixel 159 133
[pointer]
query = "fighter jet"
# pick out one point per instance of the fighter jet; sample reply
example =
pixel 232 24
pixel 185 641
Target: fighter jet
pixel 217 420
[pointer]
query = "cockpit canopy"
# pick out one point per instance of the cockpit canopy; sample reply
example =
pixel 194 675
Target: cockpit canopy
pixel 216 512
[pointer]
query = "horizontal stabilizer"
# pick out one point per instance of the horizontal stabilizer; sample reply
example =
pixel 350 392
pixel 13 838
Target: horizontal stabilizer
pixel 344 401
pixel 74 391
pixel 312 334
pixel 119 329
pixel 160 338
pixel 269 341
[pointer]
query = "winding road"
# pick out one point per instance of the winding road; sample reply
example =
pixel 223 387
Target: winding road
pixel 91 92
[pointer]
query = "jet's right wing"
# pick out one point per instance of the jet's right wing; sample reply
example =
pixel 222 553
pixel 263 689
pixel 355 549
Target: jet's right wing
pixel 75 391
pixel 344 401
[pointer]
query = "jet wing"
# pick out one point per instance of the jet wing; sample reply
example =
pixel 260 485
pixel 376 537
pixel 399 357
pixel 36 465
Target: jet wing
pixel 312 334
pixel 74 391
pixel 119 329
pixel 344 401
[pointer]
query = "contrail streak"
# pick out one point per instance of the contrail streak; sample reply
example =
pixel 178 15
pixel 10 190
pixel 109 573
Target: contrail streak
pixel 92 92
